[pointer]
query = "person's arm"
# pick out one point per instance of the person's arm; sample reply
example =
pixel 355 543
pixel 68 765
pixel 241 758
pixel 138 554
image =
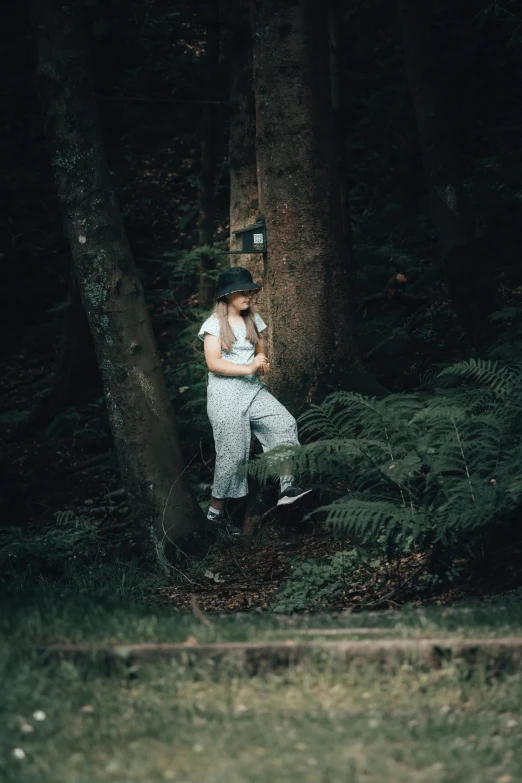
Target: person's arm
pixel 220 366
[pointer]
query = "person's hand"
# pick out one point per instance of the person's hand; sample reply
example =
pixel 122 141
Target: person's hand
pixel 260 364
pixel 264 368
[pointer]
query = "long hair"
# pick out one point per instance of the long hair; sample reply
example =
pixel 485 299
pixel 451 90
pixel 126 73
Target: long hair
pixel 225 330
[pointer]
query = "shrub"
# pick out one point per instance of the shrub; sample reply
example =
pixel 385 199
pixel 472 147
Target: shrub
pixel 314 583
pixel 437 466
pixel 71 537
pixel 70 556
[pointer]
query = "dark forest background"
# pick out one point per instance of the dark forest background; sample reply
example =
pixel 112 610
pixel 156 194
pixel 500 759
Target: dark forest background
pixel 158 67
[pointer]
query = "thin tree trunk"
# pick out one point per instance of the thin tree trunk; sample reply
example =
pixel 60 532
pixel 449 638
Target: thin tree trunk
pixel 461 261
pixel 244 197
pixel 312 344
pixel 208 160
pixel 139 409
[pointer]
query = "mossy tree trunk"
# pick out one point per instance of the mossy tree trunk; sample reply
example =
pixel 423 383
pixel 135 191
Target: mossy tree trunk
pixel 140 413
pixel 464 268
pixel 244 197
pixel 312 343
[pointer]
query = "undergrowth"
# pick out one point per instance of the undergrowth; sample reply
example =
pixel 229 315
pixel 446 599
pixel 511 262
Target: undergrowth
pixel 440 466
pixel 72 556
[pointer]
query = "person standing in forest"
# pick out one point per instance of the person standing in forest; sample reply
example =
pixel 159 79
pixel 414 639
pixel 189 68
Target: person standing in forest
pixel 238 402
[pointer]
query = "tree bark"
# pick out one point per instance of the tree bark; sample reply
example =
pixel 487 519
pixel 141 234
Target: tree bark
pixel 312 343
pixel 208 160
pixel 244 197
pixel 463 270
pixel 335 28
pixel 140 414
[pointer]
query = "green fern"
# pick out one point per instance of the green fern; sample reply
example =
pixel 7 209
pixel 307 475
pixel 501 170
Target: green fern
pixel 184 265
pixel 442 465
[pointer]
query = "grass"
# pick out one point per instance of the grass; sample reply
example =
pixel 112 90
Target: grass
pixel 57 616
pixel 317 724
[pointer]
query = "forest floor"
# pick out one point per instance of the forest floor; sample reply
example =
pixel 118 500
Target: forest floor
pixel 66 463
pixel 56 462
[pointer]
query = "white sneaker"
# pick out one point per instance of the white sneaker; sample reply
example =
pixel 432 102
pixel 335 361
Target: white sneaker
pixel 291 495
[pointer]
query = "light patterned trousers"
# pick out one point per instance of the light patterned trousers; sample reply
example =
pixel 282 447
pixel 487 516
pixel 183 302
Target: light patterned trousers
pixel 236 411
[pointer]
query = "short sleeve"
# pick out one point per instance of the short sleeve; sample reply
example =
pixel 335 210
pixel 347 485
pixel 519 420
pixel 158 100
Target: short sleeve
pixel 211 326
pixel 259 322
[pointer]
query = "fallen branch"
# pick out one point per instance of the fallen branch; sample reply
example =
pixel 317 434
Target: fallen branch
pixel 259 657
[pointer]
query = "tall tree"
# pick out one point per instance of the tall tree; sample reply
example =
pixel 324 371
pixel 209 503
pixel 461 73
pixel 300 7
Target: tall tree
pixel 244 197
pixel 464 269
pixel 140 413
pixel 312 342
pixel 207 181
pixel 335 36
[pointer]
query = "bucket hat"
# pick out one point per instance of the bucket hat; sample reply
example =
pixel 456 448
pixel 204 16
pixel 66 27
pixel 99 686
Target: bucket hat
pixel 235 278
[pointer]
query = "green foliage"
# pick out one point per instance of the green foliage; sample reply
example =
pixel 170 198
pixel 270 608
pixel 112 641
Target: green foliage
pixel 187 382
pixel 70 538
pixel 189 262
pixel 314 583
pixel 440 466
pixel 187 379
pixel 70 557
pixel 183 265
pixel 508 346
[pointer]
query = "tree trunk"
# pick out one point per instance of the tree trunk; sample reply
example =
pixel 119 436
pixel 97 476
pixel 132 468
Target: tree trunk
pixel 77 374
pixel 336 87
pixel 208 160
pixel 464 276
pixel 312 344
pixel 139 409
pixel 244 198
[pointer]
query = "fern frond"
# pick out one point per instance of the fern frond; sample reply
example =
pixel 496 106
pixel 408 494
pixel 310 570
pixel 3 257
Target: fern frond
pixel 445 462
pixel 399 471
pixel 317 422
pixel 508 313
pixel 500 379
pixel 368 518
pixel 346 412
pixel 439 410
